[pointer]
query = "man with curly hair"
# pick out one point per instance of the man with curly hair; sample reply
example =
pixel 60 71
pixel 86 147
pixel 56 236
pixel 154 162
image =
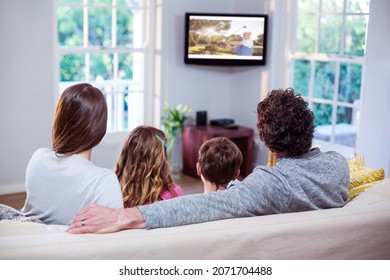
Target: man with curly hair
pixel 304 178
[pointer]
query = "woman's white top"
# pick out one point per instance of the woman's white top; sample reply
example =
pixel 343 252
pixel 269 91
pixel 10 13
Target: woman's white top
pixel 59 186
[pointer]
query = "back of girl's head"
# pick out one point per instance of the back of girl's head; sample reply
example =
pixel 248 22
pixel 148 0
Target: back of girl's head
pixel 142 167
pixel 80 120
pixel 219 160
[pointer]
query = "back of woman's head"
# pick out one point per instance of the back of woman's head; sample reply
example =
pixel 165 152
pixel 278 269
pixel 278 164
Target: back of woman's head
pixel 285 123
pixel 80 119
pixel 142 167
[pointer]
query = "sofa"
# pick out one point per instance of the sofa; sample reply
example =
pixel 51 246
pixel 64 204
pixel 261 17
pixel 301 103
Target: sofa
pixel 359 230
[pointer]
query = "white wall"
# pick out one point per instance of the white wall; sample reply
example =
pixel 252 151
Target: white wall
pixel 26 79
pixel 224 92
pixel 374 138
pixel 199 87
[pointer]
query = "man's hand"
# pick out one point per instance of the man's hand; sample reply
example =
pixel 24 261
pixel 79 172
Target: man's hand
pixel 99 219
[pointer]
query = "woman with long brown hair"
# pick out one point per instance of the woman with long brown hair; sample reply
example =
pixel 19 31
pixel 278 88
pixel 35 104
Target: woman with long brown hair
pixel 143 168
pixel 61 180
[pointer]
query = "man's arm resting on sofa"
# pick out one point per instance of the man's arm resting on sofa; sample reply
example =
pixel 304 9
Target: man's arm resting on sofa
pixel 99 219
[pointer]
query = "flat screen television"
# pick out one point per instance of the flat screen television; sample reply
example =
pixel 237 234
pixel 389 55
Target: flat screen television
pixel 225 39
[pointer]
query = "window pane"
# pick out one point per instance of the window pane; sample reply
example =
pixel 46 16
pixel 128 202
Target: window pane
pixel 355 35
pixel 306 34
pixel 121 3
pixel 135 103
pixel 99 27
pixel 125 66
pixel 119 75
pixel 308 6
pixel 333 6
pixel 100 2
pixel 130 4
pixel 345 133
pixel 330 32
pixel 70 26
pixel 344 115
pixel 72 68
pixel 125 28
pixel 125 106
pixel 323 120
pixel 139 65
pixel 324 80
pixel 350 82
pixel 302 76
pixel 358 6
pixel 322 113
pixel 101 67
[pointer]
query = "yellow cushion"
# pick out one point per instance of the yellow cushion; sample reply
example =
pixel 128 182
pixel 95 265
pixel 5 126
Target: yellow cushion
pixel 271 159
pixel 362 177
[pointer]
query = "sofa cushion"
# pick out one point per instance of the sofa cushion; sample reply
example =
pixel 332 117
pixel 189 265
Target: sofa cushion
pixel 362 177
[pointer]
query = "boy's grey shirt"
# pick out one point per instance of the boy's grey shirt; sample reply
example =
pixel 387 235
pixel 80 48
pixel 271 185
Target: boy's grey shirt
pixel 314 181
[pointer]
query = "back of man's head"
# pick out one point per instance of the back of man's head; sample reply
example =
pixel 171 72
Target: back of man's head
pixel 285 123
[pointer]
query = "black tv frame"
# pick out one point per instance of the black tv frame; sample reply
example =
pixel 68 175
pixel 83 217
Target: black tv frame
pixel 246 21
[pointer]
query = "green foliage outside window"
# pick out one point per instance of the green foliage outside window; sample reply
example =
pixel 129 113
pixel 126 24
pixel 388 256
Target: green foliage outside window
pixel 320 30
pixel 330 35
pixel 350 82
pixel 355 35
pixel 306 34
pixel 99 24
pixel 301 77
pixel 71 34
pixel 324 80
pixel 322 113
pixel 70 26
pixel 72 68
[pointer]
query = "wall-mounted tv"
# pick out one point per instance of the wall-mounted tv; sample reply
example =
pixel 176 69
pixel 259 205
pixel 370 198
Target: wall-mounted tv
pixel 225 39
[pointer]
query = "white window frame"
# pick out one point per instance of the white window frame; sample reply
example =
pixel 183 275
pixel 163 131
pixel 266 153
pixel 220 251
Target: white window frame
pixel 321 57
pixel 145 103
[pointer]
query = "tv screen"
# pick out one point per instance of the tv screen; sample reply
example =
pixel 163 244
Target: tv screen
pixel 225 39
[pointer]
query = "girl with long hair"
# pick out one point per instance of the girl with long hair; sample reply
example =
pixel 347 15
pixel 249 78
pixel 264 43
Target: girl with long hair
pixel 143 168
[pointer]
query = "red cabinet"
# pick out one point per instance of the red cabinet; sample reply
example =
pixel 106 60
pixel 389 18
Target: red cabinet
pixel 195 136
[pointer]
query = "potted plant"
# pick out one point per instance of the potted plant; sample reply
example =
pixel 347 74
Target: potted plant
pixel 173 120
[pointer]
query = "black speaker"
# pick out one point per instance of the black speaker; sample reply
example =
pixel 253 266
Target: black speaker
pixel 201 118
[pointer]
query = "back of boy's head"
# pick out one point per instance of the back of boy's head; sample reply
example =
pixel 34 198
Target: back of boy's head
pixel 219 160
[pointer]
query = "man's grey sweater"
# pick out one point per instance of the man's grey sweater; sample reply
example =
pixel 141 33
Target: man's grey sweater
pixel 314 181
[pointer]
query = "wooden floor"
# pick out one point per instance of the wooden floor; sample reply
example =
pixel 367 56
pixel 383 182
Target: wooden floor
pixel 15 200
pixel 188 184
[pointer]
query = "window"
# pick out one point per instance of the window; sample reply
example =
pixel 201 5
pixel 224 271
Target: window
pixel 105 42
pixel 327 56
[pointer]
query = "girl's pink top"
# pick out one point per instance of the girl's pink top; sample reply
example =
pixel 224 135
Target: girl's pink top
pixel 176 192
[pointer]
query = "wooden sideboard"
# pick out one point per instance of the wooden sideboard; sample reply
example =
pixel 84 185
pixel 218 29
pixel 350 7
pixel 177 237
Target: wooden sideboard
pixel 195 136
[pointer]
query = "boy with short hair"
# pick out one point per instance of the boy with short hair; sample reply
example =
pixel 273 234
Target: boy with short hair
pixel 218 164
